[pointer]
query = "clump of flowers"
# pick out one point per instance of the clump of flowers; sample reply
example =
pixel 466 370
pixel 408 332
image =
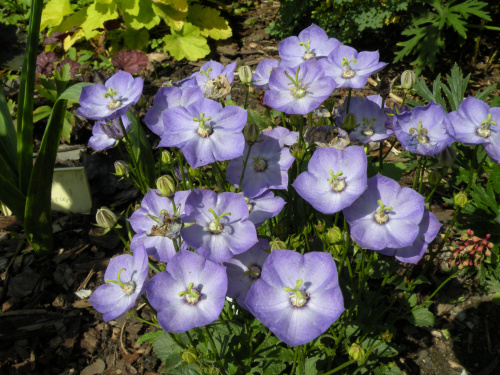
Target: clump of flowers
pixel 470 250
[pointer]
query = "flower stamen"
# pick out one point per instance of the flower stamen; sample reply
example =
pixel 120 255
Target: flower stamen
pixel 382 214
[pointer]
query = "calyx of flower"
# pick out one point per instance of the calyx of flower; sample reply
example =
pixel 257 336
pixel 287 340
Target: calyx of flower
pixel 128 287
pixel 215 226
pixel 204 129
pixel 337 183
pixel 253 272
pixel 259 164
pixel 309 54
pixel 298 90
pixel 192 295
pixel 297 298
pixel 382 214
pixel 168 226
pixel 348 72
pixel 114 103
pixel 484 130
pixel 421 133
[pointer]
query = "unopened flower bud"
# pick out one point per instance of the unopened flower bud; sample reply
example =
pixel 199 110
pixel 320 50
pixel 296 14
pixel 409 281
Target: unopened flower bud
pixel 166 185
pixel 105 218
pixel 447 157
pixel 190 356
pixel 408 79
pixel 464 237
pixel 386 336
pixel 306 230
pixel 334 235
pixel 195 172
pixel 121 168
pixel 356 352
pixel 245 73
pixel 251 133
pixel 487 253
pixel 320 227
pixel 460 199
pixel 297 152
pixel 296 244
pixel 166 157
pixel 277 244
pixel 349 122
pixel 434 177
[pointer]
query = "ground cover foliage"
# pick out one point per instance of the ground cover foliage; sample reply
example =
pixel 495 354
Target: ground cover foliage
pixel 235 196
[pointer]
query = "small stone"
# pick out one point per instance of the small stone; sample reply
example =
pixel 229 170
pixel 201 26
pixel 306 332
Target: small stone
pixel 253 45
pixel 95 368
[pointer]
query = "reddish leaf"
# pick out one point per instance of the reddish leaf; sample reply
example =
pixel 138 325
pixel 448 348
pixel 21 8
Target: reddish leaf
pixel 130 61
pixel 45 62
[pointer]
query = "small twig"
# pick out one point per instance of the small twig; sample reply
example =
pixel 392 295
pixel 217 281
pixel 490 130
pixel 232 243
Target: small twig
pixel 121 338
pixel 87 279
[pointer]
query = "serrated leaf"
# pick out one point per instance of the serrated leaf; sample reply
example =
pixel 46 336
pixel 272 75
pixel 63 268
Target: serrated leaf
pixel 422 318
pixel 68 123
pixel 421 279
pixel 149 337
pixel 172 17
pixel 180 5
pixel 187 43
pixel 97 14
pixel 139 13
pixel 483 95
pixel 41 112
pixel 135 39
pixel 209 21
pixel 164 346
pixel 54 12
pixel 183 370
pixel 457 87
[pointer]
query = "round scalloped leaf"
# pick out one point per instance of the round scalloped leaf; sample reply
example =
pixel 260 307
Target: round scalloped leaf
pixel 172 17
pixel 139 13
pixel 209 21
pixel 187 43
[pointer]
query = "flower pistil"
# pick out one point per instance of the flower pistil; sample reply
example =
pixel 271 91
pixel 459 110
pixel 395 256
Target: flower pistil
pixel 297 297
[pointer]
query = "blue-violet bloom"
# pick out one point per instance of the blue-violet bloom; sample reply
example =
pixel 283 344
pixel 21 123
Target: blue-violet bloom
pixel 106 133
pixel 297 296
pixel 215 79
pixel 263 207
pixel 262 73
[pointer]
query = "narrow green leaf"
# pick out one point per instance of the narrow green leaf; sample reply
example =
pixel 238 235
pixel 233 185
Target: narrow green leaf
pixel 483 95
pixel 12 197
pixel 8 145
pixel 142 150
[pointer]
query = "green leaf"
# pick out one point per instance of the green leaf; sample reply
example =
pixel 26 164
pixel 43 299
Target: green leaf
pixel 164 346
pixel 68 124
pixel 412 300
pixel 183 370
pixel 421 279
pixel 97 14
pixel 422 318
pixel 458 85
pixel 172 16
pixel 41 112
pixel 8 143
pixel 138 14
pixel 209 21
pixel 142 150
pixel 187 43
pixel 483 95
pixel 496 298
pixel 12 197
pixel 135 39
pixel 149 337
pixel 54 12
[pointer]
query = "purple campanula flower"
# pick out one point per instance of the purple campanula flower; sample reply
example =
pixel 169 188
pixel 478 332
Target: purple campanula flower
pixel 111 100
pixel 327 136
pixel 125 280
pixel 334 178
pixel 428 229
pixel 262 73
pixel 351 69
pixel 298 90
pixel 393 111
pixel 263 207
pixel 215 79
pixel 105 133
pixel 189 294
pixel 312 43
pixel 370 121
pixel 283 135
pixel 244 269
pixel 156 224
pixel 476 123
pixel 221 228
pixel 297 296
pixel 266 168
pixel 166 98
pixel 424 130
pixel 385 215
pixel 205 132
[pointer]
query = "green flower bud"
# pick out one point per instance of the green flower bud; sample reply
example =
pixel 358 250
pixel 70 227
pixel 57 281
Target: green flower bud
pixel 190 356
pixel 434 178
pixel 251 133
pixel 447 157
pixel 121 168
pixel 245 73
pixel 166 157
pixel 196 172
pixel 349 122
pixel 460 199
pixel 334 235
pixel 306 230
pixel 408 79
pixel 356 352
pixel 323 121
pixel 166 185
pixel 386 336
pixel 297 152
pixel 320 227
pixel 105 218
pixel 277 244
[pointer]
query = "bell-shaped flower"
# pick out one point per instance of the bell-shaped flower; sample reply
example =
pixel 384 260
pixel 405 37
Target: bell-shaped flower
pixel 263 207
pixel 351 69
pixel 244 269
pixel 334 178
pixel 312 43
pixel 370 121
pixel 298 90
pixel 221 227
pixel 157 224
pixel 166 98
pixel 215 79
pixel 205 132
pixel 105 133
pixel 297 296
pixel 476 123
pixel 111 100
pixel 428 229
pixel 267 167
pixel 190 293
pixel 424 130
pixel 262 73
pixel 283 135
pixel 385 215
pixel 125 280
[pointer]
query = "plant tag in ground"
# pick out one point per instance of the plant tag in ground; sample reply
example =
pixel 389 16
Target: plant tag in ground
pixel 70 191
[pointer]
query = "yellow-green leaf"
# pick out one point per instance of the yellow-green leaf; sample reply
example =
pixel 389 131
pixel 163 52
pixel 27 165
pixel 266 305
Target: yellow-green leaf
pixel 180 5
pixel 209 21
pixel 138 14
pixel 75 20
pixel 54 12
pixel 187 43
pixel 135 39
pixel 172 17
pixel 97 14
pixel 72 39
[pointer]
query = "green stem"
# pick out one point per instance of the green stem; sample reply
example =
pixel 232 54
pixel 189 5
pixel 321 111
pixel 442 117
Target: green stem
pixel 341 367
pixel 142 320
pixel 439 288
pixel 181 167
pixel 244 167
pixel 143 185
pixel 417 174
pixel 217 176
pixel 122 238
pixel 348 100
pixel 214 349
pixel 422 175
pixel 295 356
pixel 380 157
pixel 390 148
pixel 246 97
pixel 153 268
